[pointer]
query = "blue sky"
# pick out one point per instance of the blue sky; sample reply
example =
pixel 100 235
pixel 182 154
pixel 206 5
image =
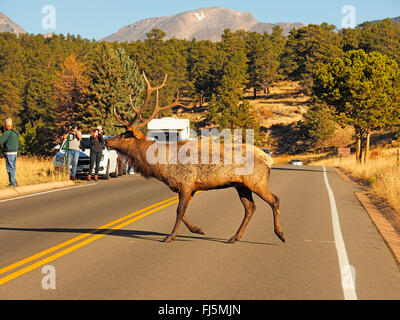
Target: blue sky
pixel 95 19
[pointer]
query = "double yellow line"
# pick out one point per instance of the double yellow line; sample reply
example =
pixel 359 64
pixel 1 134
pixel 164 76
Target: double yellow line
pixel 92 236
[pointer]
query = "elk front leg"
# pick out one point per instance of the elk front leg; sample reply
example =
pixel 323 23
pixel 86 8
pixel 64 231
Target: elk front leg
pixel 273 201
pixel 187 223
pixel 184 199
pixel 191 227
pixel 249 207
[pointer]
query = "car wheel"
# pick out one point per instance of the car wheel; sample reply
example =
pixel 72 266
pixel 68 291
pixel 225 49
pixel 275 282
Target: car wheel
pixel 115 173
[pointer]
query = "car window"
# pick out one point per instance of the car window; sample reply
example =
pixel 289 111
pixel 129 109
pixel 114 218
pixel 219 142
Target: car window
pixel 164 136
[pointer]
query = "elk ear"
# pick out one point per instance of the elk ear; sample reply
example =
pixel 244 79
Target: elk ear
pixel 127 134
pixel 136 133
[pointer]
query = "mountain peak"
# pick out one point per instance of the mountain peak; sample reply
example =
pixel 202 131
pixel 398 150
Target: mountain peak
pixel 6 25
pixel 202 24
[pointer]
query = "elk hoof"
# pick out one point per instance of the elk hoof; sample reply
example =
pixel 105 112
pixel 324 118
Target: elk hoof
pixel 281 236
pixel 168 239
pixel 233 239
pixel 198 230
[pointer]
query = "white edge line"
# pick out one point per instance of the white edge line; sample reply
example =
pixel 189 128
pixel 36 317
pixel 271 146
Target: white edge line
pixel 349 293
pixel 44 192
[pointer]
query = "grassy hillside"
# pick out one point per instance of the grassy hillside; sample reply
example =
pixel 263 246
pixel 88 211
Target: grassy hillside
pixel 284 105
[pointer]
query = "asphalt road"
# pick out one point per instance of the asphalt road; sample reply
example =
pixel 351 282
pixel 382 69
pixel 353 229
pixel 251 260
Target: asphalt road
pixel 51 246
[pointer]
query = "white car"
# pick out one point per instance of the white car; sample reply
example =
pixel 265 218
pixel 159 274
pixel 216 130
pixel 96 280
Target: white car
pixel 296 162
pixel 108 164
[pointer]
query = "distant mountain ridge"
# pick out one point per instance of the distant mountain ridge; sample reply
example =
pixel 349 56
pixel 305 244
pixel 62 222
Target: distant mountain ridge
pixel 202 24
pixel 396 19
pixel 6 25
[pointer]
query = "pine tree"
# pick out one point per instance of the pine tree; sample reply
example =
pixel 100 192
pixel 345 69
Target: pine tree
pixel 131 86
pixel 307 48
pixel 159 57
pixel 227 110
pixel 69 88
pixel 11 77
pixel 364 91
pixel 318 125
pixel 202 69
pixel 383 36
pixel 257 55
pixel 102 93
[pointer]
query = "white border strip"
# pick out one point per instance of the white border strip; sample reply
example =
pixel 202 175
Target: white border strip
pixel 44 192
pixel 346 270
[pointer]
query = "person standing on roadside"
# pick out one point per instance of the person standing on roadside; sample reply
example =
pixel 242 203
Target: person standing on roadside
pixel 9 142
pixel 96 151
pixel 74 137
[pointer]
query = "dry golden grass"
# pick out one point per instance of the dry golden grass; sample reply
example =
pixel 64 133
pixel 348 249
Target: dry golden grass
pixel 31 170
pixel 284 105
pixel 380 172
pixel 284 158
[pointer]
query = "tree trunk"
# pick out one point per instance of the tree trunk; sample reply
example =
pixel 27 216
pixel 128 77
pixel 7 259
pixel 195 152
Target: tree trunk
pixel 362 148
pixel 201 100
pixel 358 148
pixel 255 93
pixel 367 142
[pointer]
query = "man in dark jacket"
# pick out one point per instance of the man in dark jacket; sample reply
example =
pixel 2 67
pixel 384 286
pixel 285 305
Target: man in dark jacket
pixel 9 142
pixel 96 151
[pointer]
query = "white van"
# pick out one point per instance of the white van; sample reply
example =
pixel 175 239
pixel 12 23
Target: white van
pixel 168 130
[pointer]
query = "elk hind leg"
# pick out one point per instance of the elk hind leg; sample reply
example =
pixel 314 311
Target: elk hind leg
pixel 249 208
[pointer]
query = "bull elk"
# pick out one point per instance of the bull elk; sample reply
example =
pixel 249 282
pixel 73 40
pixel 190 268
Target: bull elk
pixel 187 179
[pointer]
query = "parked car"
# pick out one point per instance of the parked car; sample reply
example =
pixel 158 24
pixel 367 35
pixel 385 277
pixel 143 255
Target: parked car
pixel 266 151
pixel 110 165
pixel 296 162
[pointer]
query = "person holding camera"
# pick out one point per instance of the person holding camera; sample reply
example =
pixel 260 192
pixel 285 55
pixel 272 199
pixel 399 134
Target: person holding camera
pixel 96 151
pixel 9 141
pixel 74 138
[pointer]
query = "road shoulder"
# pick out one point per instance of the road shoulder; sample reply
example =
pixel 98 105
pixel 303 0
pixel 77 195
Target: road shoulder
pixel 383 217
pixel 24 190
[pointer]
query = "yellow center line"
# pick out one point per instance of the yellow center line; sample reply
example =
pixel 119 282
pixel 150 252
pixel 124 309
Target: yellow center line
pixel 85 235
pixel 83 243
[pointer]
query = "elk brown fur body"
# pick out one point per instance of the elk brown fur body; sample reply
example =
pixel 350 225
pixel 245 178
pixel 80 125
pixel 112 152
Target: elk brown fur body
pixel 187 179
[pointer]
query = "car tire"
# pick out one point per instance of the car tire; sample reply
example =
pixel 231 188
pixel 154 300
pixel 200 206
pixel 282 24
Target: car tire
pixel 115 173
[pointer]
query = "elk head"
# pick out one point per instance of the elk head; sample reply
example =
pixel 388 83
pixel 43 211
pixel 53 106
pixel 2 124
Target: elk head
pixel 133 135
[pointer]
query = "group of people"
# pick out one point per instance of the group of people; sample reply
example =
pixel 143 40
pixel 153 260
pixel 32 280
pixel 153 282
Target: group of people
pixel 9 143
pixel 73 138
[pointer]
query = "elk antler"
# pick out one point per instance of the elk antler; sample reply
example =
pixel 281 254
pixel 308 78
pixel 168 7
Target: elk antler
pixel 124 123
pixel 157 108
